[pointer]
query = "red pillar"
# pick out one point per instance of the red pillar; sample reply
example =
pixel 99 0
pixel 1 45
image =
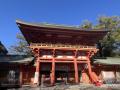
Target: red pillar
pixel 93 77
pixel 37 73
pixel 52 75
pixel 89 66
pixel 76 69
pixel 83 76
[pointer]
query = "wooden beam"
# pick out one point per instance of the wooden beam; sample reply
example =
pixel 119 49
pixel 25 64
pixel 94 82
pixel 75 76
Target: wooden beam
pixel 61 61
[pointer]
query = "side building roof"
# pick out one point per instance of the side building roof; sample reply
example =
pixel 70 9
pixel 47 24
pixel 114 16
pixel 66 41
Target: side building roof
pixel 108 61
pixel 18 59
pixel 3 50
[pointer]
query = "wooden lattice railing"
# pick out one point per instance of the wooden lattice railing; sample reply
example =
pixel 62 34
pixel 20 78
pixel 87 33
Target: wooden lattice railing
pixel 58 45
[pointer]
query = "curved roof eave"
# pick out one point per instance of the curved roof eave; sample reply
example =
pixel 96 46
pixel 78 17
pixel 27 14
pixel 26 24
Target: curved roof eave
pixel 22 23
pixel 32 32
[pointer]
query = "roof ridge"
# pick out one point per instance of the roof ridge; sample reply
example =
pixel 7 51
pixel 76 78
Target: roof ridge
pixel 75 27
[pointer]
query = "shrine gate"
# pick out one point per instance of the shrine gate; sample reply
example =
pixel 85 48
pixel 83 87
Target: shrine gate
pixel 62 53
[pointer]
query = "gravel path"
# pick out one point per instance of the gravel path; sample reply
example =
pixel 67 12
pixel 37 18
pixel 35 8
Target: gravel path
pixel 74 87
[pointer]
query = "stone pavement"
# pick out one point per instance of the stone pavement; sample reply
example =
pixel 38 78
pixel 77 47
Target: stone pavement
pixel 74 87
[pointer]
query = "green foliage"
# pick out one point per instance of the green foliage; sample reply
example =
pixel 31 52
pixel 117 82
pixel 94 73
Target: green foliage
pixel 112 24
pixel 86 25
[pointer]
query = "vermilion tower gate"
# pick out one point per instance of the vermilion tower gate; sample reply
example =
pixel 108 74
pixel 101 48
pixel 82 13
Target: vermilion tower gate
pixel 54 44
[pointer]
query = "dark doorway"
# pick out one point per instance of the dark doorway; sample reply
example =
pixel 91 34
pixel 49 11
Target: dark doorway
pixel 64 73
pixel 61 77
pixel 45 73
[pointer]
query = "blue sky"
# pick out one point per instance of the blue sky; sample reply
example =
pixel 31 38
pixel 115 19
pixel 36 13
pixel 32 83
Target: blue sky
pixel 67 12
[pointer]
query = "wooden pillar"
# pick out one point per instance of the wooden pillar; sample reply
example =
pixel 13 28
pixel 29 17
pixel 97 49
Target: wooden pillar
pixel 52 75
pixel 37 73
pixel 76 72
pixel 88 63
pixel 89 66
pixel 76 68
pixel 93 77
pixel 83 76
pixel 21 74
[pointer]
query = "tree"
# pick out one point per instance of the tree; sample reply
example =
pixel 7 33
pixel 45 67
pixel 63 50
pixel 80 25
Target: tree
pixel 21 48
pixel 86 25
pixel 112 24
pixel 111 42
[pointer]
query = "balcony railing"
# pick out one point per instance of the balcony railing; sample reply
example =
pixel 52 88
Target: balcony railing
pixel 48 45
